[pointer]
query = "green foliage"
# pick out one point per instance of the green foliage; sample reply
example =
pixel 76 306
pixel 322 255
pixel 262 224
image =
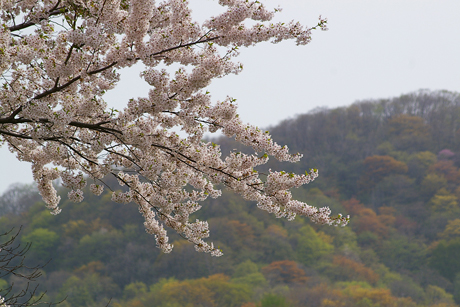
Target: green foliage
pixel 368 238
pixel 43 242
pixel 408 133
pixel 407 287
pixel 89 290
pixel 436 295
pixel 245 268
pixel 444 201
pixel 310 248
pixel 3 284
pixel 401 253
pixel 275 245
pixel 419 162
pixel 134 289
pixel 273 300
pixel 97 246
pixel 445 258
pixel 42 219
pixel 387 277
pixel 76 292
pixel 252 280
pixel 432 183
pixel 456 295
pixel 76 229
pixel 344 238
pixel 451 231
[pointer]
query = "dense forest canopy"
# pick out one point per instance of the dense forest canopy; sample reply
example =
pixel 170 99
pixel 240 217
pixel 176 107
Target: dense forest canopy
pixel 392 164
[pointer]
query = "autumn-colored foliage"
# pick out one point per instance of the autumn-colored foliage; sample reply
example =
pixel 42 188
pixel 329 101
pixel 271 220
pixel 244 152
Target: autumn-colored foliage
pixel 447 169
pixel 379 296
pixel 213 291
pixel 378 167
pixel 355 295
pixel 345 268
pixel 386 215
pixel 277 231
pixel 353 206
pixel 285 271
pixel 405 225
pixel 365 219
pixel 315 295
pixel 242 230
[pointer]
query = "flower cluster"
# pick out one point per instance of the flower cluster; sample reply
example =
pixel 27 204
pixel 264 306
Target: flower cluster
pixel 2 302
pixel 59 57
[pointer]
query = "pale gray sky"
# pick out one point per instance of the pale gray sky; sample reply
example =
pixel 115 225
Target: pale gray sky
pixel 374 49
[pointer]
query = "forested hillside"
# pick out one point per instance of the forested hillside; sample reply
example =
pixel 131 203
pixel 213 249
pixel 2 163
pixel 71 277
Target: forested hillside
pixel 393 165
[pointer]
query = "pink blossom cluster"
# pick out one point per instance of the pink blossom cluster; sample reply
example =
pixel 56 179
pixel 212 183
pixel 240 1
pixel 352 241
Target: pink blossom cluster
pixel 59 57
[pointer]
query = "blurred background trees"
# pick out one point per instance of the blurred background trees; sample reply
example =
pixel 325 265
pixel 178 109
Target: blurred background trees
pixel 401 248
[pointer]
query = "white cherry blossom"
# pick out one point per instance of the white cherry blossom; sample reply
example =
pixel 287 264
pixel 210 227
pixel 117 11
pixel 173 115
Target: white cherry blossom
pixel 59 57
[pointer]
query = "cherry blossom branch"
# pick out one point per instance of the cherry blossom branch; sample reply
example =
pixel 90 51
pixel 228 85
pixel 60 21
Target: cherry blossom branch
pixel 53 113
pixel 53 12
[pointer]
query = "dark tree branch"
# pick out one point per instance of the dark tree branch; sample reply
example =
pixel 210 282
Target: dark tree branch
pixel 12 257
pixel 53 12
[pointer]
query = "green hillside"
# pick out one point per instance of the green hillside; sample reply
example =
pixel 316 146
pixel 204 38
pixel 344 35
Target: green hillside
pixel 392 164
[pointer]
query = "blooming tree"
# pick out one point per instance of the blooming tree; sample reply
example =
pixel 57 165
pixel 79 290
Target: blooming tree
pixel 59 57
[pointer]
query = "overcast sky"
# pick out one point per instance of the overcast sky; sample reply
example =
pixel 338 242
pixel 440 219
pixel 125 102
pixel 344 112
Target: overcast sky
pixel 374 49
